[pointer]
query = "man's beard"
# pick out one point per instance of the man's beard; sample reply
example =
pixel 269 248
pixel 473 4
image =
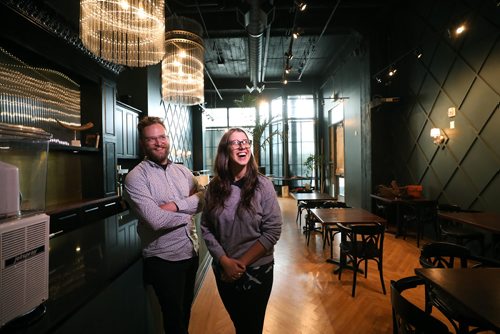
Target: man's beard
pixel 159 158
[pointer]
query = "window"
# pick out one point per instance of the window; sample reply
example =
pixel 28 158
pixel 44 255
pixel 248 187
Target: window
pixel 300 124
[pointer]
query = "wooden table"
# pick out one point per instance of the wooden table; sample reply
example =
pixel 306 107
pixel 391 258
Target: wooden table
pixel 476 291
pixel 397 203
pixel 488 221
pixel 345 216
pixel 312 197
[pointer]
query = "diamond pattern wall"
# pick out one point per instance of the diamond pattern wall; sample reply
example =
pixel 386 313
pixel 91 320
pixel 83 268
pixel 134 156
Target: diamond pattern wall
pixel 179 125
pixel 462 73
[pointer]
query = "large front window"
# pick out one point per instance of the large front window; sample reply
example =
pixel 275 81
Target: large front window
pixel 295 123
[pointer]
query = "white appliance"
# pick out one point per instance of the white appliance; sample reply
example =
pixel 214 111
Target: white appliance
pixel 24 270
pixel 9 183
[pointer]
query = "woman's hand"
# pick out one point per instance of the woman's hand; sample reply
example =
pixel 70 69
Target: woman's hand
pixel 233 269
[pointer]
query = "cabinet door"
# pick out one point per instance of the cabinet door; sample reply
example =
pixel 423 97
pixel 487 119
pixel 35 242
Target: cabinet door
pixel 109 167
pixel 131 134
pixel 120 132
pixel 108 104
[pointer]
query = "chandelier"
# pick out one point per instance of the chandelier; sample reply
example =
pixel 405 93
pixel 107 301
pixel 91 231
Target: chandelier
pixel 126 32
pixel 182 68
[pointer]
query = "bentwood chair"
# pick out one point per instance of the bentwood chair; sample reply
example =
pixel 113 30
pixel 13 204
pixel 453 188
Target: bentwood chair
pixel 419 214
pixel 459 233
pixel 329 231
pixel 361 243
pixel 449 255
pixel 407 317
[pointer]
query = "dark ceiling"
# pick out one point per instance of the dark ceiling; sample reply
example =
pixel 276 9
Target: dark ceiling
pixel 246 40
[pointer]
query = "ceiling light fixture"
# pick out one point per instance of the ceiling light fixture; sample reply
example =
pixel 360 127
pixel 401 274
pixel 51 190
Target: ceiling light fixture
pixel 183 65
pixel 130 33
pixel 392 71
pixel 301 5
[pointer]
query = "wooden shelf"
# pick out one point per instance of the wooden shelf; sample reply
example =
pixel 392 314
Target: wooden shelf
pixel 59 147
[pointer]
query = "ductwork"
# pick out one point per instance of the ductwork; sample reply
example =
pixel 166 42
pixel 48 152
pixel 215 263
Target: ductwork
pixel 255 25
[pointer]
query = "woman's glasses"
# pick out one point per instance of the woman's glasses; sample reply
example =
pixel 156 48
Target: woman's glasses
pixel 237 143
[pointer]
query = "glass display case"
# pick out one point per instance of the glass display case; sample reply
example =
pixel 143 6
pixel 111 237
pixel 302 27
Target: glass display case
pixel 23 170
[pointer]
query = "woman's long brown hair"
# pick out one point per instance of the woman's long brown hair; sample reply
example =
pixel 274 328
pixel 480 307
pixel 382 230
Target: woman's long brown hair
pixel 219 188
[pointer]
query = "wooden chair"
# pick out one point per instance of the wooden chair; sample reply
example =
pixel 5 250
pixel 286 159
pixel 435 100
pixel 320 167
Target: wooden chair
pixel 301 206
pixel 419 214
pixel 459 233
pixel 329 231
pixel 449 255
pixel 362 242
pixel 407 317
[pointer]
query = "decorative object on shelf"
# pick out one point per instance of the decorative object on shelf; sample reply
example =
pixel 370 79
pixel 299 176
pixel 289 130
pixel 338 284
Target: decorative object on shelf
pixel 75 128
pixel 183 65
pixel 92 140
pixel 126 32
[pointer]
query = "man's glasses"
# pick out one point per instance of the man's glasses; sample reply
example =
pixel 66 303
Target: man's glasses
pixel 237 143
pixel 161 138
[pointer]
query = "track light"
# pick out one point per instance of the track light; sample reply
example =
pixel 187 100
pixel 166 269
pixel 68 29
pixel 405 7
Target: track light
pixel 418 53
pixel 301 5
pixel 295 35
pixel 392 71
pixel 288 69
pixel 289 55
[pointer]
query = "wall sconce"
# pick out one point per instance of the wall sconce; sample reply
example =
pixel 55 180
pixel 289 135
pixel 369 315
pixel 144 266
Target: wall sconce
pixel 437 137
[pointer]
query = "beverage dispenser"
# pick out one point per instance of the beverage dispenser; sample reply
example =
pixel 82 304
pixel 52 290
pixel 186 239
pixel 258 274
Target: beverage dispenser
pixel 24 227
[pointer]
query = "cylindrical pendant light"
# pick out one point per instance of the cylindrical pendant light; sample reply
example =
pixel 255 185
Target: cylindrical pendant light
pixel 126 32
pixel 183 65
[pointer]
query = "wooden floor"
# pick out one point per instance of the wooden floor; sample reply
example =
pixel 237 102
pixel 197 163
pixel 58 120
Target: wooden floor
pixel 308 298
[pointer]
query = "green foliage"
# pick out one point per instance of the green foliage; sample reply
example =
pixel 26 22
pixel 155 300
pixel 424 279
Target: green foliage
pixel 259 130
pixel 311 162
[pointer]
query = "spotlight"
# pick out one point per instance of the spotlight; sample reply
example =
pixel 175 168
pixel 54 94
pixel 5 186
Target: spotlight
pixel 295 35
pixel 460 29
pixel 392 71
pixel 418 53
pixel 288 69
pixel 289 55
pixel 301 5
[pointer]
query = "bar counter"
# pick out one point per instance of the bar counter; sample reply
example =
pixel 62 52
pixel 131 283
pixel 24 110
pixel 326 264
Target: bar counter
pixel 93 270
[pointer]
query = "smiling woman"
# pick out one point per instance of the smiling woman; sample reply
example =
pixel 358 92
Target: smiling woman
pixel 241 223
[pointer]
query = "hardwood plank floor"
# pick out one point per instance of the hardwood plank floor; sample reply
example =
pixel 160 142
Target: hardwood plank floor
pixel 307 296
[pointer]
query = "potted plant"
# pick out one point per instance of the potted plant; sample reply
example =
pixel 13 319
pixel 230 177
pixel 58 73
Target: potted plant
pixel 311 162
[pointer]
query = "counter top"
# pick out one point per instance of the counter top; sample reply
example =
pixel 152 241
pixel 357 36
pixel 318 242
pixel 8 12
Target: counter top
pixel 52 210
pixel 82 263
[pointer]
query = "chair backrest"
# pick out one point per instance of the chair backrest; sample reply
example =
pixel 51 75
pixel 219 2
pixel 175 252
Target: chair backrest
pixel 443 255
pixel 367 239
pixel 449 207
pixel 407 317
pixel 333 204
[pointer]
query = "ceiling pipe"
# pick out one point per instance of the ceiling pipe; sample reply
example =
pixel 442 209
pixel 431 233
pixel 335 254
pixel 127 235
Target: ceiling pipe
pixel 255 25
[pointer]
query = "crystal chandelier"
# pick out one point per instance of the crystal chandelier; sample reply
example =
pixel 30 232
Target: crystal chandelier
pixel 182 68
pixel 126 32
